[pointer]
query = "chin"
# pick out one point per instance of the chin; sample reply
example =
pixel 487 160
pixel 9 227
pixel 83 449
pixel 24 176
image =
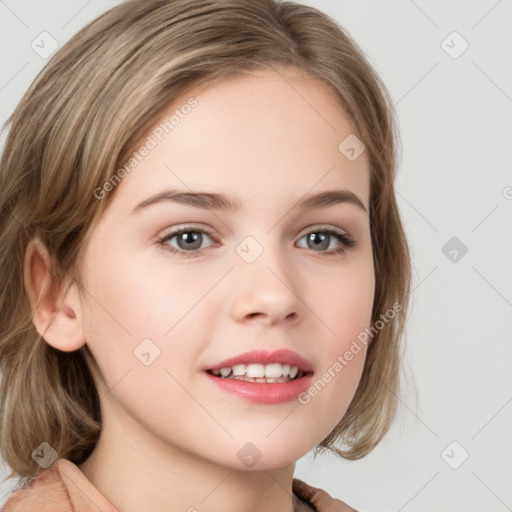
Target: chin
pixel 270 453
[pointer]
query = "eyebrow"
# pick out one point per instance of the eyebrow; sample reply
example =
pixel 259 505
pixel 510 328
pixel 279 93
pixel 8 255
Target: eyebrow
pixel 212 201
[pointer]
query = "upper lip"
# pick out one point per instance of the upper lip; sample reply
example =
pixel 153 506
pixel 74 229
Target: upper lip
pixel 283 356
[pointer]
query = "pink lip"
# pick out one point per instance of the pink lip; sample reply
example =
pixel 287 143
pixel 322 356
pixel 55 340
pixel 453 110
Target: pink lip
pixel 261 392
pixel 265 392
pixel 283 356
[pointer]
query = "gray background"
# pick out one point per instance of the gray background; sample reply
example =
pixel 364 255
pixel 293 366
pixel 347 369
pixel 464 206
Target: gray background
pixel 455 181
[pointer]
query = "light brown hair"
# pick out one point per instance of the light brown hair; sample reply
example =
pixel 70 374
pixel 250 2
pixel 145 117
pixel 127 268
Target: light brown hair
pixel 74 128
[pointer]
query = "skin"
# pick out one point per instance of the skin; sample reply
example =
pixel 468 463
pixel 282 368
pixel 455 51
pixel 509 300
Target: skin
pixel 169 436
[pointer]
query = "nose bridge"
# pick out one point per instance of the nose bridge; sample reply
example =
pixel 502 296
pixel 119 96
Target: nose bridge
pixel 264 279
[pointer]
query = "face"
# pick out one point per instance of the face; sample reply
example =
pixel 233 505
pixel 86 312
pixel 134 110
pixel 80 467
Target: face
pixel 177 290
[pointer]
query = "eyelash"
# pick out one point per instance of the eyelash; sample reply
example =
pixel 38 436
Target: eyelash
pixel 345 240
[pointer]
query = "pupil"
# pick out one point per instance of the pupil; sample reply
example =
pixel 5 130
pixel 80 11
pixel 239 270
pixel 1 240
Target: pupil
pixel 190 237
pixel 314 237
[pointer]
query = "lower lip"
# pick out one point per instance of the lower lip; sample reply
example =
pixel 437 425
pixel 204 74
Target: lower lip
pixel 264 393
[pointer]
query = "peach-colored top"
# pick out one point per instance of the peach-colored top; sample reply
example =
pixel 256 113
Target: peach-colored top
pixel 64 488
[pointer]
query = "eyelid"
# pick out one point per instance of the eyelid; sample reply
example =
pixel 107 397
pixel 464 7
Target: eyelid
pixel 343 237
pixel 324 227
pixel 202 228
pixel 187 227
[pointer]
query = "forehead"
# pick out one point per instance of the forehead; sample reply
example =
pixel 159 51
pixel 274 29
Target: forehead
pixel 269 133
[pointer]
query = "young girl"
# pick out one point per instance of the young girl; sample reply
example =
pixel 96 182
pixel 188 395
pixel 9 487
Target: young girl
pixel 139 374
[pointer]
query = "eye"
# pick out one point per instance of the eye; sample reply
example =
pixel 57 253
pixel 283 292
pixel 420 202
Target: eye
pixel 321 238
pixel 189 240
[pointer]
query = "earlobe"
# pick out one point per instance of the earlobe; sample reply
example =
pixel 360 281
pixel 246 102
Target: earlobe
pixel 56 308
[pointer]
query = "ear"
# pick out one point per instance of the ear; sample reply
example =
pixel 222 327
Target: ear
pixel 56 310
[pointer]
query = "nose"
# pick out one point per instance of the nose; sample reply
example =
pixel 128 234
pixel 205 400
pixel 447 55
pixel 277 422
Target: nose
pixel 266 291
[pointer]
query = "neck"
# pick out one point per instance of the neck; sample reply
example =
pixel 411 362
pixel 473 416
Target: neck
pixel 136 471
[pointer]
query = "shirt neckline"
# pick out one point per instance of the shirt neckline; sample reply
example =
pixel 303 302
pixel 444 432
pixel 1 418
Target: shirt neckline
pixel 80 484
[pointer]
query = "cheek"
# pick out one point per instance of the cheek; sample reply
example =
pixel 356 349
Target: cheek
pixel 345 309
pixel 131 302
pixel 344 304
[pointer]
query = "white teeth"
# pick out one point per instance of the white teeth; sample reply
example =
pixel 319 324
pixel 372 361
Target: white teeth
pixel 239 369
pixel 273 370
pixel 256 372
pixel 225 371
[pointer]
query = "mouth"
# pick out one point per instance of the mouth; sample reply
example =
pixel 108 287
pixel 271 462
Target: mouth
pixel 262 373
pixel 262 376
